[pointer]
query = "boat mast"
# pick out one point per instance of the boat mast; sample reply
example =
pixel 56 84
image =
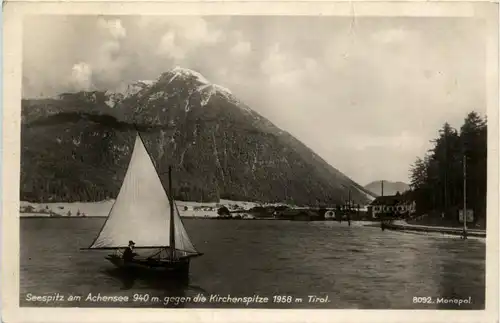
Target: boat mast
pixel 172 227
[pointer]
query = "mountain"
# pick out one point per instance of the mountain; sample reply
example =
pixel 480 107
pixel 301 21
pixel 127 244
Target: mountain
pixel 390 188
pixel 77 146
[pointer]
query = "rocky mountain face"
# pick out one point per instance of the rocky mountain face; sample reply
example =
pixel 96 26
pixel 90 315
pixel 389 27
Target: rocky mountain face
pixel 390 188
pixel 77 146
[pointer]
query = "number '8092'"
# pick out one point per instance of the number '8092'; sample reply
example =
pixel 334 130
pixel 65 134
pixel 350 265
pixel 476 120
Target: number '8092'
pixel 422 300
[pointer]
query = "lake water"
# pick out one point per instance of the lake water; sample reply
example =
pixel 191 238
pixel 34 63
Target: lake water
pixel 356 267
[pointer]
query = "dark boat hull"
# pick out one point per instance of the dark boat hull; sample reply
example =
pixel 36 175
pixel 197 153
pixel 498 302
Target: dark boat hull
pixel 178 267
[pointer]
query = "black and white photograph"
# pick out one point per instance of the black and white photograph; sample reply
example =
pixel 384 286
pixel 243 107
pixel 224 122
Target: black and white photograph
pixel 256 161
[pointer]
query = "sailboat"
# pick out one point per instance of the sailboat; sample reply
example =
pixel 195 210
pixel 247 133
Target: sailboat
pixel 145 213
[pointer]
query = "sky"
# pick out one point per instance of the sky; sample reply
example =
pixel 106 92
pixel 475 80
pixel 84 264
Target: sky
pixel 366 93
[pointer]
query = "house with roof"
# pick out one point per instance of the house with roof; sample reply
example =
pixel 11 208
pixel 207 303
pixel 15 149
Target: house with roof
pixel 396 206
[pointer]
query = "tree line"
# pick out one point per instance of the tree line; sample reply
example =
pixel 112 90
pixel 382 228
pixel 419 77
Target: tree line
pixel 437 179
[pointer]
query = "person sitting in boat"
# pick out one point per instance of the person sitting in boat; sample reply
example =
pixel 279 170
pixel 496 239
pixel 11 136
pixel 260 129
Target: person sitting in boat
pixel 129 254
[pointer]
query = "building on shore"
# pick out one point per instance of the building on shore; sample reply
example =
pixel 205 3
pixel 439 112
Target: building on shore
pixel 393 206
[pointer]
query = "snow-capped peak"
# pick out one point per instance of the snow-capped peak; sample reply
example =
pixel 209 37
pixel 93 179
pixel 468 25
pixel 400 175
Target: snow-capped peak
pixel 220 88
pixel 207 90
pixel 146 82
pixel 214 88
pixel 202 86
pixel 131 89
pixel 181 71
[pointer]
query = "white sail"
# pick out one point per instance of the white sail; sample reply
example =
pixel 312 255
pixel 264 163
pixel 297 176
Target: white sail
pixel 141 212
pixel 182 241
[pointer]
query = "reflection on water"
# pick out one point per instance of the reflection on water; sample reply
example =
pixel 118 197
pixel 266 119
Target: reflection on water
pixel 165 286
pixel 355 266
pixel 461 281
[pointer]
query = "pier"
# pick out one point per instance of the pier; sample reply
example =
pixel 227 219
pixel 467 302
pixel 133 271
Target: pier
pixel 401 226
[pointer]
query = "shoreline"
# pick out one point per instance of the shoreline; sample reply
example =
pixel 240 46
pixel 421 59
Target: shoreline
pixel 357 223
pixel 404 227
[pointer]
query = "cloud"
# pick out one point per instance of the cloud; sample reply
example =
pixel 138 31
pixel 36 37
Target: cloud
pixel 185 35
pixel 113 26
pixel 168 46
pixel 241 49
pixel 280 68
pixel 275 62
pixel 283 69
pixel 81 76
pixel 196 30
pixel 97 62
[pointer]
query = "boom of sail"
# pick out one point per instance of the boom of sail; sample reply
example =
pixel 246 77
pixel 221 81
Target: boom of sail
pixel 142 211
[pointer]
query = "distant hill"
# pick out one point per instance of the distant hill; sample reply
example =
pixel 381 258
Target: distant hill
pixel 390 188
pixel 77 147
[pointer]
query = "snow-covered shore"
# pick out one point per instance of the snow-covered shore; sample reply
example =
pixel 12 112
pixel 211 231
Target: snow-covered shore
pixel 101 209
